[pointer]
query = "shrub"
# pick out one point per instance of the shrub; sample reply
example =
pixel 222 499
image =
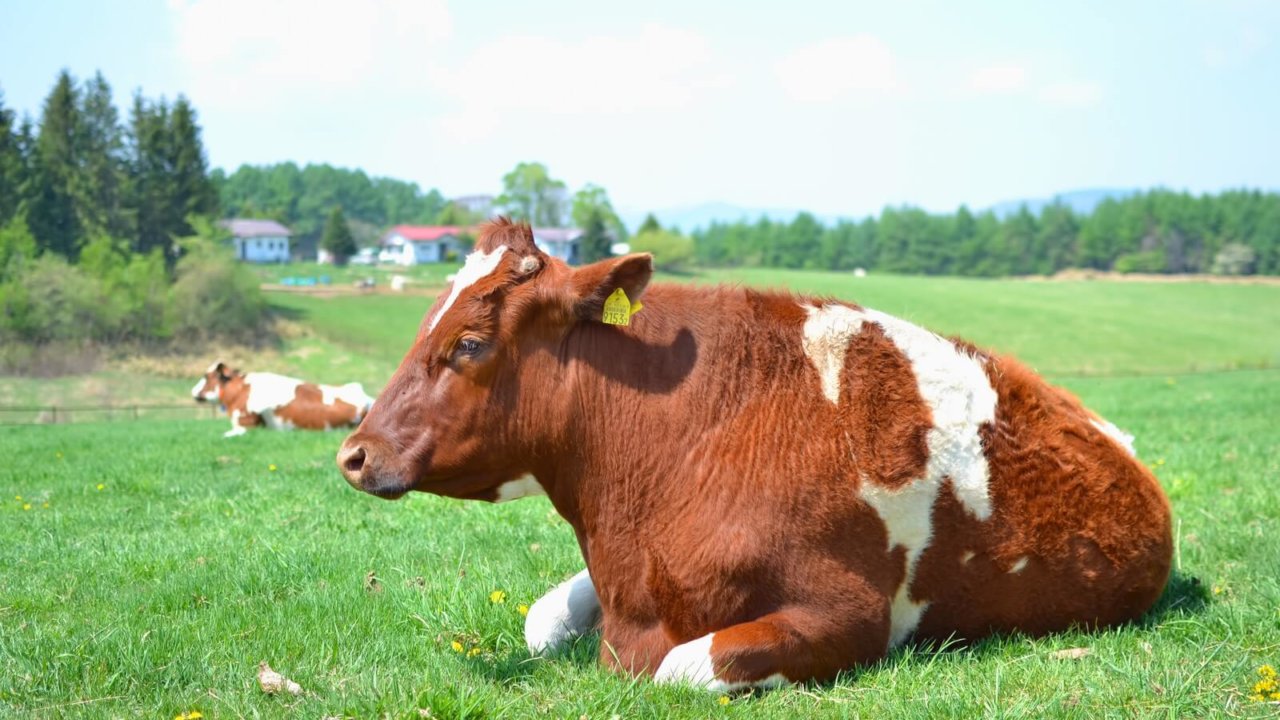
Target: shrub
pixel 670 251
pixel 1151 261
pixel 215 296
pixel 1234 259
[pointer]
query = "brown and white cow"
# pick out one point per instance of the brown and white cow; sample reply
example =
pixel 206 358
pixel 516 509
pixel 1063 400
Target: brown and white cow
pixel 765 487
pixel 279 402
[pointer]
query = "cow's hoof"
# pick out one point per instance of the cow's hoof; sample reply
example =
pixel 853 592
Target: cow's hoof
pixel 233 433
pixel 571 609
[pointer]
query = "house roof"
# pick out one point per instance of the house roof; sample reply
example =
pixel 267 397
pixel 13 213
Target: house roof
pixel 250 227
pixel 556 234
pixel 423 233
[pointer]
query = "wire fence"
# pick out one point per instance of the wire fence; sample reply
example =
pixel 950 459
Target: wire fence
pixel 62 414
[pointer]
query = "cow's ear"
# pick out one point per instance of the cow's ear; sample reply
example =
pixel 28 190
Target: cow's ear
pixel 592 284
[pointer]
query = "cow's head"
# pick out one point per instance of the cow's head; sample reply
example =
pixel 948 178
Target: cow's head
pixel 207 388
pixel 471 403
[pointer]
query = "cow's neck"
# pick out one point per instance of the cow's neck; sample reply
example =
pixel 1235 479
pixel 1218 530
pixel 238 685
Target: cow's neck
pixel 630 397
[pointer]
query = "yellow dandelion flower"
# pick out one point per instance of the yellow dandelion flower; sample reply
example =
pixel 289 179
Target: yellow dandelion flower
pixel 1160 461
pixel 272 467
pixel 457 646
pixel 723 699
pixel 18 498
pixel 101 486
pixel 473 652
pixel 45 506
pixel 195 715
pixel 523 610
pixel 1267 671
pixel 1256 698
pixel 497 597
pixel 26 506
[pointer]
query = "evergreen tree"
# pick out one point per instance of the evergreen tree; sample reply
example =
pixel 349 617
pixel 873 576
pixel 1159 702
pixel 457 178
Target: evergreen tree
pixel 595 243
pixel 13 164
pixel 337 238
pixel 194 193
pixel 52 217
pixel 98 186
pixel 650 224
pixel 150 174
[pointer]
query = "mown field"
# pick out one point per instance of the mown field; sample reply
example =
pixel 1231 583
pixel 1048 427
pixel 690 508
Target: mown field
pixel 147 568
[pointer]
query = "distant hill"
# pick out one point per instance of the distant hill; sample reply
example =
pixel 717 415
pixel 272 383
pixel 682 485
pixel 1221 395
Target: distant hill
pixel 691 217
pixel 1081 201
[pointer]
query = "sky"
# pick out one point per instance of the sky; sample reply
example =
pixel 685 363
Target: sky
pixel 839 107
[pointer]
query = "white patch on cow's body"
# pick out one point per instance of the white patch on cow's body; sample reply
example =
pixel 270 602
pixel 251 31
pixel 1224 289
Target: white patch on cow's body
pixel 352 393
pixel 690 664
pixel 478 266
pixel 961 399
pixel 1115 433
pixel 966 557
pixel 1019 565
pixel 827 333
pixel 570 609
pixel 516 489
pixel 268 391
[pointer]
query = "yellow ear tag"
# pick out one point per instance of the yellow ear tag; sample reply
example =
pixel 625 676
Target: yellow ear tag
pixel 618 309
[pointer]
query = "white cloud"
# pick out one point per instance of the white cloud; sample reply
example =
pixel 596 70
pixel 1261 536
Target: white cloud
pixel 248 53
pixel 836 67
pixel 657 68
pixel 997 79
pixel 1076 94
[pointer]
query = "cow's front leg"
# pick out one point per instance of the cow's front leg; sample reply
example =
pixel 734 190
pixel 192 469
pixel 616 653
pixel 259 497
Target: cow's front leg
pixel 240 423
pixel 571 609
pixel 790 645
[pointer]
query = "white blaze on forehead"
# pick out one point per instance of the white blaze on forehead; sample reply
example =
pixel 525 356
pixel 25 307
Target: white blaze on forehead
pixel 516 489
pixel 1115 433
pixel 479 265
pixel 690 664
pixel 961 399
pixel 827 333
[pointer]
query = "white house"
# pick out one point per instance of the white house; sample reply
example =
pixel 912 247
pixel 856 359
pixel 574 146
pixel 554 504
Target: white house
pixel 259 241
pixel 414 244
pixel 563 243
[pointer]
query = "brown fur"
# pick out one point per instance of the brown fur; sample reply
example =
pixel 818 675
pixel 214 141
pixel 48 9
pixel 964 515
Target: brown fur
pixel 713 488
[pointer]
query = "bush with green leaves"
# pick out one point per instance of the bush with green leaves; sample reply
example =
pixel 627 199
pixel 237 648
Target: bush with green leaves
pixel 214 295
pixel 670 251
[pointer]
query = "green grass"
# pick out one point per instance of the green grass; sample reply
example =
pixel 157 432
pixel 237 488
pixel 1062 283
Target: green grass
pixel 425 275
pixel 161 592
pixel 1059 328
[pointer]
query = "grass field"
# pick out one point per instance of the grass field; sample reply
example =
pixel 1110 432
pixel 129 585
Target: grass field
pixel 158 564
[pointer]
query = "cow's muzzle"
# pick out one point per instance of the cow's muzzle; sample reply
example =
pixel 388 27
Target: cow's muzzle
pixel 362 461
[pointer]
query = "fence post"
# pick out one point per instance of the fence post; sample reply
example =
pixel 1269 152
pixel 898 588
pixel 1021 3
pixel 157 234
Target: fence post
pixel 54 417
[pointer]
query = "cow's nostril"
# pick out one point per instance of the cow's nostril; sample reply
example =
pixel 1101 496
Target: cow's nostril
pixel 354 461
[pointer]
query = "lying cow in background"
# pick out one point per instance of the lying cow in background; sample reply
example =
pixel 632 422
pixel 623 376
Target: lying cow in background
pixel 279 402
pixel 766 488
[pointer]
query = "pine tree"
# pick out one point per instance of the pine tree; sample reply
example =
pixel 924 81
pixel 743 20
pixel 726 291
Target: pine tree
pixel 52 218
pixel 99 183
pixel 193 191
pixel 595 243
pixel 337 238
pixel 650 224
pixel 13 164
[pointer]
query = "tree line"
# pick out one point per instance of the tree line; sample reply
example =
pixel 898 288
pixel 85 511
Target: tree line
pixel 106 231
pixel 1234 233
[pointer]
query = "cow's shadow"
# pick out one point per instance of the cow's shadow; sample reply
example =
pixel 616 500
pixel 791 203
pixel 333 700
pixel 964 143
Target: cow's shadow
pixel 1184 595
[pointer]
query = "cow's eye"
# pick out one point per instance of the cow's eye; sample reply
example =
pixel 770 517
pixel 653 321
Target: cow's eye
pixel 470 347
